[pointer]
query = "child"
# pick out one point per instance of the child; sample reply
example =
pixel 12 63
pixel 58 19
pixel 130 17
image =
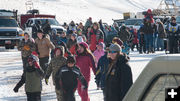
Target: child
pixel 99 51
pixel 32 78
pixel 66 79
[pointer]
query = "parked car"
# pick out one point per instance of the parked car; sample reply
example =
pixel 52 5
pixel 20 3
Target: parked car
pixel 160 73
pixel 135 23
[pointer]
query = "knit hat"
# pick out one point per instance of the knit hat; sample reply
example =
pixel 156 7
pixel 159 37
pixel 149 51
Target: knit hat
pixel 84 44
pixel 71 59
pixel 34 59
pixel 80 39
pixel 27 34
pixel 102 45
pixel 115 47
pixel 158 20
pixel 74 35
pixel 54 31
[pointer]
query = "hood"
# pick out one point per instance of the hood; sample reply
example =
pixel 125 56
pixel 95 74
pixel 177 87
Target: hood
pixel 61 48
pixel 9 29
pixel 123 58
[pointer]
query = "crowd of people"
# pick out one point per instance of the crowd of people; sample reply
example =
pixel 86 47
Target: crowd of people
pixel 70 55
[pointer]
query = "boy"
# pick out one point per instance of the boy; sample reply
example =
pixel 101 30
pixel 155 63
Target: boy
pixel 32 78
pixel 66 79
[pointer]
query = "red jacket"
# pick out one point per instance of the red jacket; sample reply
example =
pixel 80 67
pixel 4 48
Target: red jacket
pixel 85 63
pixel 94 37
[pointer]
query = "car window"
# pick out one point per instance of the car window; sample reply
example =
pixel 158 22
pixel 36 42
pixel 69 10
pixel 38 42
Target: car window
pixel 51 21
pixel 8 23
pixel 133 22
pixel 156 91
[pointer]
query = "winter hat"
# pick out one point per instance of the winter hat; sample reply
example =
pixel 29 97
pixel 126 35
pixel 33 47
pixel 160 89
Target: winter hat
pixel 84 44
pixel 158 20
pixel 173 18
pixel 115 47
pixel 54 32
pixel 71 59
pixel 80 39
pixel 74 35
pixel 40 31
pixel 34 59
pixel 61 48
pixel 27 34
pixel 102 45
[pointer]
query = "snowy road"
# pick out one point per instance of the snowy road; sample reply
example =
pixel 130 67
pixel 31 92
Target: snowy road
pixel 11 70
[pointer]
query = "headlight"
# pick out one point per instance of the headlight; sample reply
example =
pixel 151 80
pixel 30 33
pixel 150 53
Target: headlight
pixel 21 33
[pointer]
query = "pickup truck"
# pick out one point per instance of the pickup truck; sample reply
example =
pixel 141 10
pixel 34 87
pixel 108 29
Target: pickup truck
pixel 160 73
pixel 53 23
pixel 10 32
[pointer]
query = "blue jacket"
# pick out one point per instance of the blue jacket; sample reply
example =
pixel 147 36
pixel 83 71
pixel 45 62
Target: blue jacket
pixel 102 68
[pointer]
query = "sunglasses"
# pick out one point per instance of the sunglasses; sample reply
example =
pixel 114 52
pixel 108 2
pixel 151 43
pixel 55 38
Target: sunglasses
pixel 112 51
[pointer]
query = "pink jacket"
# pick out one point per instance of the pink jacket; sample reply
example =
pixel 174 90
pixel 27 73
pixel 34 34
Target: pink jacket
pixel 98 55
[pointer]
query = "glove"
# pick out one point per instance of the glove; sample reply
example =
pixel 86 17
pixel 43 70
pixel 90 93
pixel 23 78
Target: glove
pixel 15 89
pixel 46 81
pixel 26 47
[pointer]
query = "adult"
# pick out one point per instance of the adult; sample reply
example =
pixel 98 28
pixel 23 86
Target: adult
pixel 124 34
pixel 58 61
pixel 161 34
pixel 85 61
pixel 88 23
pixel 149 30
pixel 44 46
pixel 46 27
pixel 95 36
pixel 119 75
pixel 173 31
pixel 26 46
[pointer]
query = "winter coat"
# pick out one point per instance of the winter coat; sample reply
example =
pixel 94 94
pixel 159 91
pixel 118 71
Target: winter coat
pixel 135 37
pixel 26 48
pixel 97 54
pixel 85 63
pixel 53 67
pixel 44 46
pixel 118 79
pixel 33 79
pixel 124 34
pixel 161 30
pixel 95 36
pixel 149 28
pixel 88 24
pixel 101 71
pixel 72 45
pixel 66 78
pixel 46 28
pixel 173 31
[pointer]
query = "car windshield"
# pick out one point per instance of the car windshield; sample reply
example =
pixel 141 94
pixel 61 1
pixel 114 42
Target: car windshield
pixel 178 19
pixel 8 23
pixel 134 22
pixel 51 21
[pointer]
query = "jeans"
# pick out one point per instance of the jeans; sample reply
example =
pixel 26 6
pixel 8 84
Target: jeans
pixel 43 61
pixel 160 44
pixel 149 41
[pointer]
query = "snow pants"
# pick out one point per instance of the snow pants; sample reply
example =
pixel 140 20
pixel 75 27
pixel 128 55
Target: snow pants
pixel 83 93
pixel 173 45
pixel 36 96
pixel 69 95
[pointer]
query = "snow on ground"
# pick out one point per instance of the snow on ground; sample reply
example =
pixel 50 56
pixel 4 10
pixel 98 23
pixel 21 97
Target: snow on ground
pixel 11 70
pixel 80 10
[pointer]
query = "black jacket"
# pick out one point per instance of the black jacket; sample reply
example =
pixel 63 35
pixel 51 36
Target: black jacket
pixel 118 80
pixel 66 78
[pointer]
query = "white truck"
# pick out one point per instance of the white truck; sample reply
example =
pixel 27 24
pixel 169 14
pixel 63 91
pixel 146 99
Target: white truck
pixel 10 32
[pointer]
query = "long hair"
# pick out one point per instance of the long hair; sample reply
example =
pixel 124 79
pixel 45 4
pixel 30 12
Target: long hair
pixel 86 52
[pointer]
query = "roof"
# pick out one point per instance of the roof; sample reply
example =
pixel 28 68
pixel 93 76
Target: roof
pixel 167 64
pixel 41 18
